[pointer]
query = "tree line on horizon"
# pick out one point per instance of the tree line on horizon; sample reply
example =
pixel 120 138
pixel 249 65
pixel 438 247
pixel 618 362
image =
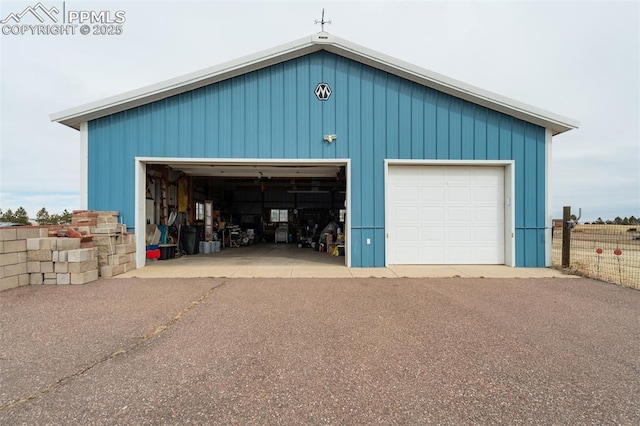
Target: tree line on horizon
pixel 617 221
pixel 43 217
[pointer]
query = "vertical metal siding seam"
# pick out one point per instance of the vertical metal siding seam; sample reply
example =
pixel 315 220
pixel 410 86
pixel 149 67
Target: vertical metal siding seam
pixel 425 149
pixel 458 126
pixel 475 152
pixel 259 114
pixel 297 100
pixel 435 112
pixel 284 116
pixel 218 126
pixel 362 180
pixel 486 133
pixel 473 132
pixel 346 103
pixel 386 114
pixel 534 164
pixel 243 116
pixel 309 101
pixel 397 150
pixel 205 114
pixel 452 102
pixel 410 112
pixel 450 126
pixel 232 101
pixel 189 122
pixel 273 82
pixel 323 57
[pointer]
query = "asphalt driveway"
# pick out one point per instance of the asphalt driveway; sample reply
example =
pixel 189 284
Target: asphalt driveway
pixel 320 351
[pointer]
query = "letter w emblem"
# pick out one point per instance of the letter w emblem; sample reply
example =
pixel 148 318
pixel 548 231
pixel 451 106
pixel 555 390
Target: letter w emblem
pixel 323 91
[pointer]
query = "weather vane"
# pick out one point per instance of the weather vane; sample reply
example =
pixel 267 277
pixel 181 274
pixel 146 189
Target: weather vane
pixel 322 21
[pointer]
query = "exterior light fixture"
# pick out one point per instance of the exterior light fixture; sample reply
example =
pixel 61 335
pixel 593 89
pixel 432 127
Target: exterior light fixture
pixel 330 138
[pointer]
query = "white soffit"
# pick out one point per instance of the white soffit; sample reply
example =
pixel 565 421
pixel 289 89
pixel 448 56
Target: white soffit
pixel 320 41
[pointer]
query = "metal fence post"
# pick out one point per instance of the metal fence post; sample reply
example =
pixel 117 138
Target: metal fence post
pixel 566 237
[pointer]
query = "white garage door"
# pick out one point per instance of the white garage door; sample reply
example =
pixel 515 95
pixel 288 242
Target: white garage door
pixel 445 215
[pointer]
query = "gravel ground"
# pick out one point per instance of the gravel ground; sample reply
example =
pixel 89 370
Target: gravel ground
pixel 319 351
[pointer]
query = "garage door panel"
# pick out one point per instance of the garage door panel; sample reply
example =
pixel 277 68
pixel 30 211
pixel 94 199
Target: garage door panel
pixel 407 213
pixel 434 214
pixel 408 174
pixel 455 234
pixel 486 174
pixel 457 255
pixel 486 234
pixel 461 177
pixel 431 233
pixel 431 252
pixel 487 194
pixel 457 216
pixel 488 214
pixel 433 194
pixel 407 235
pixel 483 256
pixel 405 193
pixel 433 174
pixel 409 253
pixel 458 194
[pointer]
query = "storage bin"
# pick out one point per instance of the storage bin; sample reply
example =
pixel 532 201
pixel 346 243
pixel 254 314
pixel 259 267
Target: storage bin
pixel 153 254
pixel 190 240
pixel 167 252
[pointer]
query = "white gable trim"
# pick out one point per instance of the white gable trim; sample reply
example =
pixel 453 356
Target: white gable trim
pixel 321 41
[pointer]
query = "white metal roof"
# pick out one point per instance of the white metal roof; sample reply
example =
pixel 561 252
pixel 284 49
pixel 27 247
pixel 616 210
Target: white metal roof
pixel 320 41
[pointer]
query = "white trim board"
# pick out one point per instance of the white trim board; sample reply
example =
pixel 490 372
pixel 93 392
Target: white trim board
pixel 548 234
pixel 84 166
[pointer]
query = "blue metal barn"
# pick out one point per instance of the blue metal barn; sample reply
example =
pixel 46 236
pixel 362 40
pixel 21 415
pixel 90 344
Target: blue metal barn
pixel 435 171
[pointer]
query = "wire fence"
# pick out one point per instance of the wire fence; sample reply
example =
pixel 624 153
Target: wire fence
pixel 605 252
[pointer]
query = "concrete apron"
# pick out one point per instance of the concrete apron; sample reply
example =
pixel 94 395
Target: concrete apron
pixel 289 261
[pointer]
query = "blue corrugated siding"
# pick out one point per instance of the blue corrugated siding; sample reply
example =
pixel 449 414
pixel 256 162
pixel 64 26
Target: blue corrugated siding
pixel 273 113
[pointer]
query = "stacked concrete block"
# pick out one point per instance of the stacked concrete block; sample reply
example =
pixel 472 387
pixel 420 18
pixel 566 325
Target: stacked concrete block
pixel 116 249
pixel 91 219
pixel 60 261
pixel 13 255
pixel 116 253
pixel 82 218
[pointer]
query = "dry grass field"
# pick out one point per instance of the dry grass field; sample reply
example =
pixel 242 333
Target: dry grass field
pixel 593 253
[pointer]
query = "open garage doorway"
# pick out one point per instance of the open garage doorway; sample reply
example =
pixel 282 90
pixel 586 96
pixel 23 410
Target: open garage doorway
pixel 244 205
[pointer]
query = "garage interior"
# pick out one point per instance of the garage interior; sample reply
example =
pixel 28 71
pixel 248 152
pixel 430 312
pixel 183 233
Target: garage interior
pixel 201 208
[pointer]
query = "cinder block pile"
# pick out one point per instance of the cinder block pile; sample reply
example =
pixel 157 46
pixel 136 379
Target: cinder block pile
pixel 94 245
pixel 60 261
pixel 13 255
pixel 116 253
pixel 116 248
